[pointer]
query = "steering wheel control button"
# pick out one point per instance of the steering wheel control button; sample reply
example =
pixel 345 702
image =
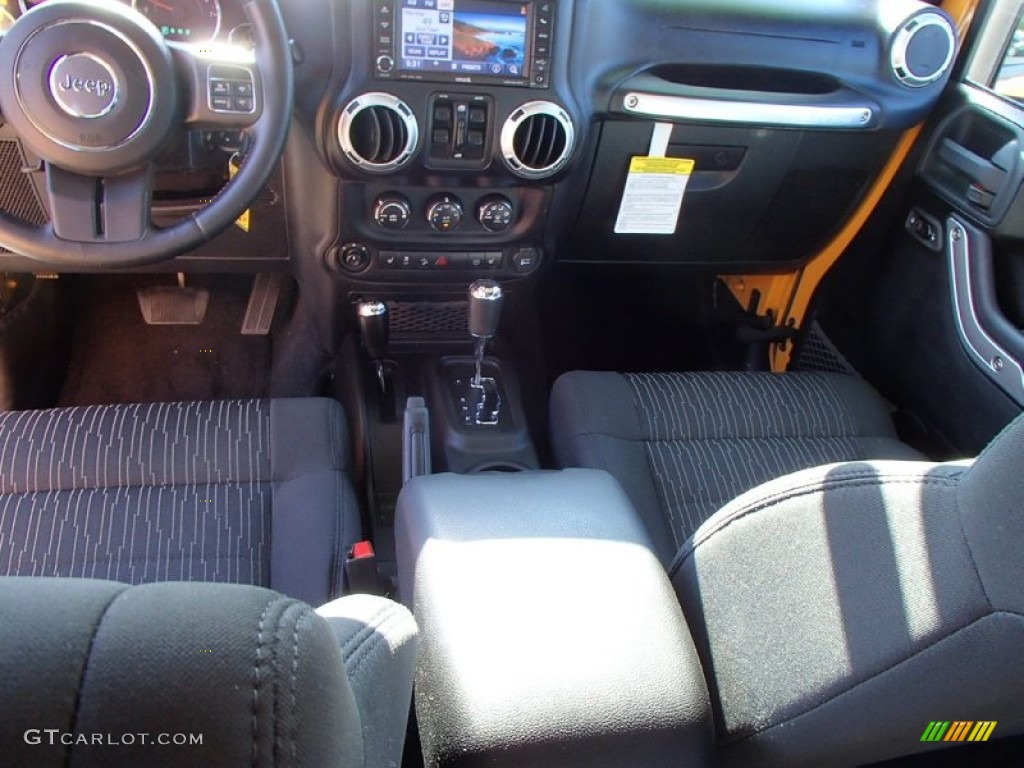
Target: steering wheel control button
pixel 444 213
pixel 231 90
pixel 392 211
pixel 495 213
pixel 84 85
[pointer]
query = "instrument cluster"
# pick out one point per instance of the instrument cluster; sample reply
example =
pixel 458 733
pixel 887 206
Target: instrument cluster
pixel 182 21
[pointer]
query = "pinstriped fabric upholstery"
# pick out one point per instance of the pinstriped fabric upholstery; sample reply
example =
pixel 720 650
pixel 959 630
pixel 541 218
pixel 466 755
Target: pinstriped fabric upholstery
pixel 714 436
pixel 179 492
pixel 136 535
pixel 137 493
pixel 684 444
pixel 156 444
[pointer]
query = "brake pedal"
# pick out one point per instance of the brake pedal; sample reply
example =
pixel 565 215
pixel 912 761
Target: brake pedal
pixel 259 315
pixel 173 305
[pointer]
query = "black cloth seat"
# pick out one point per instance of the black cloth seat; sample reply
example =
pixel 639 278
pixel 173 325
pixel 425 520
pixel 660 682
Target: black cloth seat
pixel 838 609
pixel 847 598
pixel 249 492
pixel 99 673
pixel 684 444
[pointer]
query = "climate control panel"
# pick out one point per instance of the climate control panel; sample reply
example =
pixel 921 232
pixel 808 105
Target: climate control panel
pixel 445 212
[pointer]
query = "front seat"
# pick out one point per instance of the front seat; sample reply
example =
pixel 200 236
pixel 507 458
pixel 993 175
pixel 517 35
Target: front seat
pixel 249 492
pixel 684 444
pixel 98 673
pixel 840 611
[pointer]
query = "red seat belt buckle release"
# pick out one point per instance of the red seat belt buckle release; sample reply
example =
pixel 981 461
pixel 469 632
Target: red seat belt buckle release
pixel 361 569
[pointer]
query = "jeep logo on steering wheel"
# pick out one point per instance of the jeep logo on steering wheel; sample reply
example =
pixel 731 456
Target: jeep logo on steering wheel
pixel 83 85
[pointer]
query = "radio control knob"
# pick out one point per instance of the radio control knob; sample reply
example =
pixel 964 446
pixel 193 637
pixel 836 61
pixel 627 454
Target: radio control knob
pixel 444 213
pixel 495 213
pixel 385 64
pixel 392 211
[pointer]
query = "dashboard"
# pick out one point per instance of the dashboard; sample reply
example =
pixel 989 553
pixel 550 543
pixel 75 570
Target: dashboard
pixel 435 141
pixel 494 136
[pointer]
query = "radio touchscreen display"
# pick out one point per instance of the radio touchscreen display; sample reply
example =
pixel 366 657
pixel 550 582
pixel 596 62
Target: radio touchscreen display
pixel 464 38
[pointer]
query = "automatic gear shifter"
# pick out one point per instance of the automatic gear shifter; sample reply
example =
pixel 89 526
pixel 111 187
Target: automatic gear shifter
pixel 485 298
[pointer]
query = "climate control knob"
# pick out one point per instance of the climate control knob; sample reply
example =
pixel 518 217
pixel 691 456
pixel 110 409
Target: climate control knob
pixel 444 212
pixel 495 213
pixel 392 211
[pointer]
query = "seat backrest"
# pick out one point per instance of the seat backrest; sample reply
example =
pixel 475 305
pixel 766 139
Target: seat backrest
pixel 841 610
pixel 172 674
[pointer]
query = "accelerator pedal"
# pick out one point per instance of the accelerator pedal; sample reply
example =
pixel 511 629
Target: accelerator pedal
pixel 259 315
pixel 173 305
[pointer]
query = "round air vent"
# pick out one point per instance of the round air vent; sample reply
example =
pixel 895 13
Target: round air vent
pixel 537 139
pixel 923 49
pixel 378 132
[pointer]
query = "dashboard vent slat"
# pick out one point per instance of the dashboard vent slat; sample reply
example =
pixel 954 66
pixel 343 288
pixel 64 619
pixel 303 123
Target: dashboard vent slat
pixel 378 132
pixel 537 140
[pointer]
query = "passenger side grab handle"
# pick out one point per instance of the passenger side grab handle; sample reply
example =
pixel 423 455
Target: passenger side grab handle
pixel 991 341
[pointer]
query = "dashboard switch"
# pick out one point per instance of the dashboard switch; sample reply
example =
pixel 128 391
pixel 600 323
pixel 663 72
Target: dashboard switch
pixel 354 257
pixel 444 213
pixel 495 213
pixel 392 211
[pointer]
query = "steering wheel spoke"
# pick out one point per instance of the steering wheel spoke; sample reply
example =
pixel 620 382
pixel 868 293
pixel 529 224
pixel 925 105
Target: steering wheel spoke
pixel 223 86
pixel 90 209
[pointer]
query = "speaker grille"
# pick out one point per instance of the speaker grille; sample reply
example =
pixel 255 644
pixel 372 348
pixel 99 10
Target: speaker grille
pixel 923 49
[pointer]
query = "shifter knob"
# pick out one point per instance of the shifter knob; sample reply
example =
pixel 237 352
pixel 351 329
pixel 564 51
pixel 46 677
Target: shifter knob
pixel 373 322
pixel 485 298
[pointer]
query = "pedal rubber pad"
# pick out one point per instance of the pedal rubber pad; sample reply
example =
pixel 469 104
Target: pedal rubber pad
pixel 167 305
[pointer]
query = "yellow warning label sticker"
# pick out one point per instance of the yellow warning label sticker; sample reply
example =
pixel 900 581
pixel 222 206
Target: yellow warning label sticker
pixel 244 221
pixel 653 195
pixel 674 166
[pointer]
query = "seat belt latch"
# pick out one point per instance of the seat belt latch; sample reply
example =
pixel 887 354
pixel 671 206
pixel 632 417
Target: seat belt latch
pixel 361 569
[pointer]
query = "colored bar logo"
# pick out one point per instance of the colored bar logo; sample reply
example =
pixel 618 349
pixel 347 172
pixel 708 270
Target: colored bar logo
pixel 959 730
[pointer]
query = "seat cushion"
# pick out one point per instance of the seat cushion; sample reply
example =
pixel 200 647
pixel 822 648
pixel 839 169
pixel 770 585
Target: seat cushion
pixel 684 444
pixel 250 492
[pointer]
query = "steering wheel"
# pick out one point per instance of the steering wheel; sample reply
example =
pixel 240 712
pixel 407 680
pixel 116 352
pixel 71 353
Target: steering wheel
pixel 93 89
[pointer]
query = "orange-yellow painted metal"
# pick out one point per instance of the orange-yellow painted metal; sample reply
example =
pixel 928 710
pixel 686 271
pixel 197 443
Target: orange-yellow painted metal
pixel 787 295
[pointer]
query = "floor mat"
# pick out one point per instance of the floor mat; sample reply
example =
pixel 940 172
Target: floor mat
pixel 117 358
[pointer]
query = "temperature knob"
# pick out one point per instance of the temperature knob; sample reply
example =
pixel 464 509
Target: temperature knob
pixel 392 211
pixel 495 213
pixel 444 213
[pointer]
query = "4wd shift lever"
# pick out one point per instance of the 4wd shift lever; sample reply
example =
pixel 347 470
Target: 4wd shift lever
pixel 485 299
pixel 375 327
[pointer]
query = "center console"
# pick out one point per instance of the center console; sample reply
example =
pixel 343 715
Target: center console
pixel 449 135
pixel 547 626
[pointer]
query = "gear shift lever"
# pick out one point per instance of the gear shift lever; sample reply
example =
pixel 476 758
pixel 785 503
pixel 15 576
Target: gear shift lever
pixel 485 298
pixel 374 324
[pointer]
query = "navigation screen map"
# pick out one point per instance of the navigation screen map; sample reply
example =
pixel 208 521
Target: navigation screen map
pixel 478 37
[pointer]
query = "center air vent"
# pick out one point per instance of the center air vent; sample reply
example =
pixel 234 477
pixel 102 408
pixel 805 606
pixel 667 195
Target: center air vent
pixel 537 139
pixel 378 132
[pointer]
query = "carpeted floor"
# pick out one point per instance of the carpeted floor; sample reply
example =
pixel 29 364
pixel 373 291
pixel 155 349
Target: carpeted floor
pixel 117 358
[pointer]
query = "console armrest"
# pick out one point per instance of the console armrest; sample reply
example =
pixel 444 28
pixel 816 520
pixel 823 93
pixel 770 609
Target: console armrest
pixel 550 634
